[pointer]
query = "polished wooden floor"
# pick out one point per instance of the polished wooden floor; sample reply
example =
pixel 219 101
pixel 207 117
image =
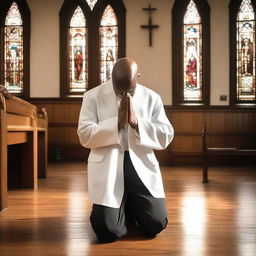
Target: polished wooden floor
pixel 215 219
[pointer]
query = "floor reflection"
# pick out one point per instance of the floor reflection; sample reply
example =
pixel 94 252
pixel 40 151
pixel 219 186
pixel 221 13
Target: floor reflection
pixel 193 219
pixel 77 244
pixel 245 217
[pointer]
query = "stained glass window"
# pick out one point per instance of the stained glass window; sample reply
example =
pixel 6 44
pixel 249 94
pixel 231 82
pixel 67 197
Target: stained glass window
pixel 91 3
pixel 92 38
pixel 245 85
pixel 78 72
pixel 108 43
pixel 192 54
pixel 13 50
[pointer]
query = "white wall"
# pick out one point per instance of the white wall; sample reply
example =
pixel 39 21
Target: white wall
pixel 219 51
pixel 154 62
pixel 44 53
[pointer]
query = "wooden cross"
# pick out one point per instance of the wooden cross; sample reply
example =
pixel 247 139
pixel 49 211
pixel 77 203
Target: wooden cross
pixel 149 26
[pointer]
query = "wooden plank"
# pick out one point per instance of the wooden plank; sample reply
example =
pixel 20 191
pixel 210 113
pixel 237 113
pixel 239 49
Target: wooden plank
pixel 41 123
pixel 16 120
pixel 40 129
pixel 29 160
pixel 17 137
pixel 204 220
pixel 3 162
pixel 13 128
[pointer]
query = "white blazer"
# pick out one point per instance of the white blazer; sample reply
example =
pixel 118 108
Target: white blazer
pixel 98 130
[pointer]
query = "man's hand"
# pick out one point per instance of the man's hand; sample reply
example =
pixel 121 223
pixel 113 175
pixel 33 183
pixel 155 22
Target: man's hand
pixel 132 120
pixel 123 112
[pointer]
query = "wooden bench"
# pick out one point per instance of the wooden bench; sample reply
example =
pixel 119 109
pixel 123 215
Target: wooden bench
pixel 22 135
pixel 220 151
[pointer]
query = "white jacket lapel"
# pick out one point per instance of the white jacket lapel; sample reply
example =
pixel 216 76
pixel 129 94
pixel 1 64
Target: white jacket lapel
pixel 110 100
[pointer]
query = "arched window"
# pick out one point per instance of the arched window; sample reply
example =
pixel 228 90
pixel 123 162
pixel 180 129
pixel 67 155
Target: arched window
pixel 13 50
pixel 191 52
pixel 78 55
pixel 108 43
pixel 93 51
pixel 15 21
pixel 242 75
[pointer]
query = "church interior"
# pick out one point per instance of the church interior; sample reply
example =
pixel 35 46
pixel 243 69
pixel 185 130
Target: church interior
pixel 198 55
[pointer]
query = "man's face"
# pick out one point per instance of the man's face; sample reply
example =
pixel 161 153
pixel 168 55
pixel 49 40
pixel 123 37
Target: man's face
pixel 124 86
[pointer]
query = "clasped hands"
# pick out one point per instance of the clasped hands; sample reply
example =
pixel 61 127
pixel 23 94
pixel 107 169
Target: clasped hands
pixel 126 113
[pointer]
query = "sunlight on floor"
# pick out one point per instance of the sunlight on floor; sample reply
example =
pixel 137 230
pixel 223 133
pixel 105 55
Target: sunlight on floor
pixel 77 244
pixel 246 216
pixel 193 220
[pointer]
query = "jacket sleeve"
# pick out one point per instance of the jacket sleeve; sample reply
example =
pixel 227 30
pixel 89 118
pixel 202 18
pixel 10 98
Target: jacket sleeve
pixel 156 133
pixel 91 132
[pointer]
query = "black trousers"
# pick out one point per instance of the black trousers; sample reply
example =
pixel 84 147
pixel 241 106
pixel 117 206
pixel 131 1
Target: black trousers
pixel 148 212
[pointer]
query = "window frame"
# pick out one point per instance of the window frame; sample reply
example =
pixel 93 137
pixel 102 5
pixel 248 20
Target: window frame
pixel 26 23
pixel 178 11
pixel 93 18
pixel 234 7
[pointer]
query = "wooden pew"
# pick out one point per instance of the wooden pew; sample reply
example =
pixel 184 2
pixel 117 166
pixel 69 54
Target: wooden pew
pixel 220 151
pixel 22 135
pixel 3 154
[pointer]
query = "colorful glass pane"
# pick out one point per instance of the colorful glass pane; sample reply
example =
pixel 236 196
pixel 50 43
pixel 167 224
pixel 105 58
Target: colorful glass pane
pixel 192 16
pixel 245 86
pixel 108 43
pixel 246 11
pixel 13 50
pixel 78 19
pixel 192 54
pixel 91 3
pixel 78 71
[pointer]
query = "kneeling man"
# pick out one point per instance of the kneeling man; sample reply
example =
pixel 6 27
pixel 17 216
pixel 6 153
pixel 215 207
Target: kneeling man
pixel 122 122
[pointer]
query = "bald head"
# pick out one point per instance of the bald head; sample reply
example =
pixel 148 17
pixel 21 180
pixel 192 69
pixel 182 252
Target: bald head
pixel 125 75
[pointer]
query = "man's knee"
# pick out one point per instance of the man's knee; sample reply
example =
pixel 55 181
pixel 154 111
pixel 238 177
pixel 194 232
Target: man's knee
pixel 102 229
pixel 105 226
pixel 152 226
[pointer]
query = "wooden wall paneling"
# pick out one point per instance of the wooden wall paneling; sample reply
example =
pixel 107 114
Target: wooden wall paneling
pixel 187 127
pixel 197 143
pixel 188 124
pixel 215 122
pixel 251 140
